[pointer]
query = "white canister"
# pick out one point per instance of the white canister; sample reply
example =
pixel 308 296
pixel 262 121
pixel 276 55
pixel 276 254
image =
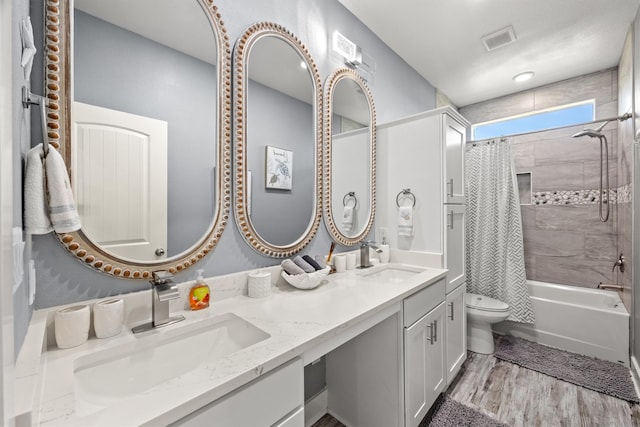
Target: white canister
pixel 259 285
pixel 72 326
pixel 340 263
pixel 351 261
pixel 108 317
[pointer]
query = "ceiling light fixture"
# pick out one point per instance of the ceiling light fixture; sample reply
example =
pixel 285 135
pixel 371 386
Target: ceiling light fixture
pixel 523 77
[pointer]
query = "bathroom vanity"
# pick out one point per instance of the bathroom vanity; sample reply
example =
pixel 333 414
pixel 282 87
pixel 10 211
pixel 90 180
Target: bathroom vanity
pixel 382 338
pixel 392 336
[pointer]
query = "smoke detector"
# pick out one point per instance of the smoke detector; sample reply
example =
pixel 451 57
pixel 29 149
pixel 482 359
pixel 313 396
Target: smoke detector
pixel 499 38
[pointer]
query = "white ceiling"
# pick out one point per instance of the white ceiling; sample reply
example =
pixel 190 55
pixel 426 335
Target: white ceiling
pixel 156 20
pixel 441 40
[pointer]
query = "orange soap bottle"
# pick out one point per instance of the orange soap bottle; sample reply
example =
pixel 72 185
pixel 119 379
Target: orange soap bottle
pixel 199 294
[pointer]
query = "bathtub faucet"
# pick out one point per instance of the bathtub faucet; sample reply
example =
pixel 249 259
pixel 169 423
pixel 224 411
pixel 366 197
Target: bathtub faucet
pixel 610 286
pixel 619 263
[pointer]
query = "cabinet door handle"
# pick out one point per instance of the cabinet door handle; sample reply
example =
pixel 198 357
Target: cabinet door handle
pixel 431 339
pixel 451 315
pixel 450 219
pixel 450 187
pixel 435 331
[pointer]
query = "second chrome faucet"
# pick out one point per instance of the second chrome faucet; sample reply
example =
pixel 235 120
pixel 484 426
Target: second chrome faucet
pixel 365 262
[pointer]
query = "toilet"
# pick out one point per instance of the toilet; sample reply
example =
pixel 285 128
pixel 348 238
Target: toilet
pixel 482 312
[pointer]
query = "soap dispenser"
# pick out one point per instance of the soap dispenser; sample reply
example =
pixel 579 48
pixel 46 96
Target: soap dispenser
pixel 383 249
pixel 199 294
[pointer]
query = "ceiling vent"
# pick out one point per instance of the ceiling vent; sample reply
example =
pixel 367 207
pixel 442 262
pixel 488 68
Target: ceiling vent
pixel 499 38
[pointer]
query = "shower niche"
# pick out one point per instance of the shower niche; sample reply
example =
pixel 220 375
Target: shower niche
pixel 524 188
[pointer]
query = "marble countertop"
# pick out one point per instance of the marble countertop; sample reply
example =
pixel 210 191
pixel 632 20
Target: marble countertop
pixel 296 320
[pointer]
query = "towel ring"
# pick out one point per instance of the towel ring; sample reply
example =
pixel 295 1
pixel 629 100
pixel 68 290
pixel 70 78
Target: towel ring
pixel 351 195
pixel 406 192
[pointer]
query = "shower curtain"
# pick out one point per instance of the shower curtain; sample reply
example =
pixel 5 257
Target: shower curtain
pixel 495 252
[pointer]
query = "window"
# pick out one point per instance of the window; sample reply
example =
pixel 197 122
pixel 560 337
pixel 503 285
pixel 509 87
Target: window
pixel 566 115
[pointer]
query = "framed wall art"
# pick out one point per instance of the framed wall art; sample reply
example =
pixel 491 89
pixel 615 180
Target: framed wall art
pixel 278 168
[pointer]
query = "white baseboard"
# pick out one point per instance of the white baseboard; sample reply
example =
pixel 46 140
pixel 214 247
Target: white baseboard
pixel 315 408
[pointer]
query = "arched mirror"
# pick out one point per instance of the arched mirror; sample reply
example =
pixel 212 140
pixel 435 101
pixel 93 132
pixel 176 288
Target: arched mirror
pixel 140 109
pixel 350 141
pixel 278 146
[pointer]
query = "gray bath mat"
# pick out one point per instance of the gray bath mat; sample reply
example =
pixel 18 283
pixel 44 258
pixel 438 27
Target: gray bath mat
pixel 446 412
pixel 595 374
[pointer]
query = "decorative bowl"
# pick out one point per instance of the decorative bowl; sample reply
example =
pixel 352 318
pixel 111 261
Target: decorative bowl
pixel 306 280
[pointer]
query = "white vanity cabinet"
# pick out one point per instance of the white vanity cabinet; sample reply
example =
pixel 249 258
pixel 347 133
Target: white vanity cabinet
pixel 453 137
pixel 454 245
pixel 275 399
pixel 424 351
pixel 455 332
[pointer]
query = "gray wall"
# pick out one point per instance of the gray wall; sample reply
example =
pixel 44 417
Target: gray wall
pixel 397 89
pixel 275 119
pixel 564 240
pixel 117 69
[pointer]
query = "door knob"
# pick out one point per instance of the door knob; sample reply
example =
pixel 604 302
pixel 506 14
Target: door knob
pixel 160 251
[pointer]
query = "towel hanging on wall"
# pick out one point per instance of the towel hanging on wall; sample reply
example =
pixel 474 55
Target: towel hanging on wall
pixel 48 198
pixel 347 218
pixel 36 217
pixel 405 221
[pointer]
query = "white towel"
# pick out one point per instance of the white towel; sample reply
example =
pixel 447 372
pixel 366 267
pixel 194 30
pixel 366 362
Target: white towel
pixel 347 218
pixel 62 207
pixel 36 216
pixel 49 203
pixel 405 221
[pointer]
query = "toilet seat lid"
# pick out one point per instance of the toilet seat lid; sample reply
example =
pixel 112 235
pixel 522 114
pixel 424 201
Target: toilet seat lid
pixel 481 302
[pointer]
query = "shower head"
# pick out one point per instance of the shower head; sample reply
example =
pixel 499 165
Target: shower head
pixel 597 133
pixel 589 132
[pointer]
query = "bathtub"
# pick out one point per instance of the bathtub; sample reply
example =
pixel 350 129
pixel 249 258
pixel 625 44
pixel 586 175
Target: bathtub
pixel 593 322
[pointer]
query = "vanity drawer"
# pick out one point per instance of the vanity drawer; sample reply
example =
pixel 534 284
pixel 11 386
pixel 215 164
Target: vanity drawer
pixel 420 303
pixel 265 401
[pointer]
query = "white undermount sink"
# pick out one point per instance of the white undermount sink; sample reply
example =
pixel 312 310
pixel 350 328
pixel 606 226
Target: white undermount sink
pixel 392 273
pixel 106 377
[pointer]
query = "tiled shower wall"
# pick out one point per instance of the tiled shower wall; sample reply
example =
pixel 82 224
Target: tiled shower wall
pixel 564 239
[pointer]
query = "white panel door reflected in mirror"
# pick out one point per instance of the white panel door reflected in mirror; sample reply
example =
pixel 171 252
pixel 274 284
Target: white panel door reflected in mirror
pixel 119 166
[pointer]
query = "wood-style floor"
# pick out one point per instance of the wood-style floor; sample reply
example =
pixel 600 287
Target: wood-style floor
pixel 520 397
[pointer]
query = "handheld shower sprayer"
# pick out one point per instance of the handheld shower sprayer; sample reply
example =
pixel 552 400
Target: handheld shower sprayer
pixel 597 133
pixel 588 132
pixel 604 159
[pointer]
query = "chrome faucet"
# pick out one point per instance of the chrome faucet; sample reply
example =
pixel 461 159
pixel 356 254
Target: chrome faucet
pixel 163 290
pixel 364 253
